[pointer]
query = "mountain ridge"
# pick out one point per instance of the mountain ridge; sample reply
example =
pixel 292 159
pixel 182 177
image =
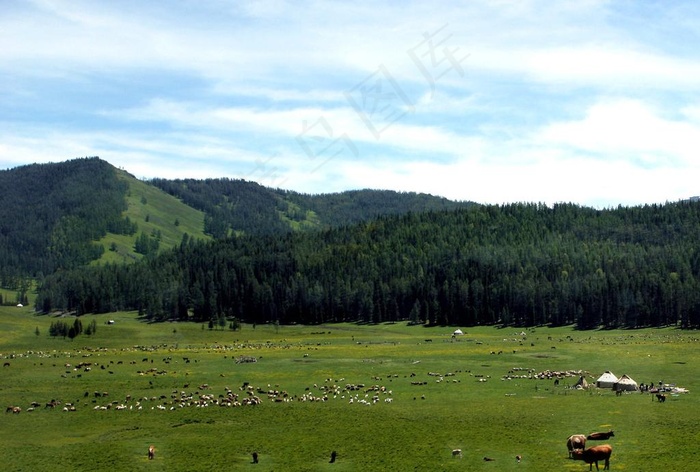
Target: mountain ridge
pixel 68 214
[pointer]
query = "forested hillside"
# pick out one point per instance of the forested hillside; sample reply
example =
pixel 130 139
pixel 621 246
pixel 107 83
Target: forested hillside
pixel 517 264
pixel 238 207
pixel 231 207
pixel 51 214
pixel 339 209
pixel 66 215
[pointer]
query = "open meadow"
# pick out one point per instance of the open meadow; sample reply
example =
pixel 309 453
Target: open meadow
pixel 387 397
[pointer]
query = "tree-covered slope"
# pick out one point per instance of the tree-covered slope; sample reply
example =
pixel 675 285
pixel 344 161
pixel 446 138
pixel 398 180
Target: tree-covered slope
pixel 69 214
pixel 514 265
pixel 85 211
pixel 236 207
pixel 51 214
pixel 65 215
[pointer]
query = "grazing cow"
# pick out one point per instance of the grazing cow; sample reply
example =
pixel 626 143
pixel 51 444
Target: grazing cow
pixel 518 458
pixel 595 454
pixel 600 436
pixel 457 453
pixel 151 452
pixel 488 459
pixel 576 442
pixel 661 397
pixel 255 458
pixel 333 456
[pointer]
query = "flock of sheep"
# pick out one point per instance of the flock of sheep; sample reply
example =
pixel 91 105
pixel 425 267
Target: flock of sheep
pixel 203 396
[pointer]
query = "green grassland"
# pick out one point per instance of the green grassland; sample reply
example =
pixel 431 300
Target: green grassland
pixel 10 297
pixel 474 409
pixel 153 211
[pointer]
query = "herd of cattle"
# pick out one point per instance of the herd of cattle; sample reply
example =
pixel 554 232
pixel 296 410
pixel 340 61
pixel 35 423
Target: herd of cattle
pixel 576 444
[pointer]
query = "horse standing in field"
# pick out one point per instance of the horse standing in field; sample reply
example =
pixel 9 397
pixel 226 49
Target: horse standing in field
pixel 151 452
pixel 457 453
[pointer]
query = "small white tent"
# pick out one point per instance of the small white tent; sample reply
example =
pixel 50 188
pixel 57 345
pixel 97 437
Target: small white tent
pixel 625 383
pixel 458 332
pixel 607 380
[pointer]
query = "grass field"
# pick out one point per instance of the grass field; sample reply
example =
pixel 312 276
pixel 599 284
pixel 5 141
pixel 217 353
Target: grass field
pixel 144 368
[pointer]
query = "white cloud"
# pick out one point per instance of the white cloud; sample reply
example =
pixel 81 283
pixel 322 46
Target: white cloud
pixel 545 176
pixel 609 66
pixel 629 130
pixel 581 101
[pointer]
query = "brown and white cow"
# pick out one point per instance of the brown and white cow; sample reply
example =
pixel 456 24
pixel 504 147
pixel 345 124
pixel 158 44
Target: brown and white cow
pixel 576 442
pixel 151 452
pixel 595 454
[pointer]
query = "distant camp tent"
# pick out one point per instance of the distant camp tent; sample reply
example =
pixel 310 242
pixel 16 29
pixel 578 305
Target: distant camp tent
pixel 625 383
pixel 607 380
pixel 20 305
pixel 581 384
pixel 458 332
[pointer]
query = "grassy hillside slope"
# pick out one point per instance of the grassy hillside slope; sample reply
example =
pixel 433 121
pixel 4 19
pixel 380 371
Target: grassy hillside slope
pixel 154 211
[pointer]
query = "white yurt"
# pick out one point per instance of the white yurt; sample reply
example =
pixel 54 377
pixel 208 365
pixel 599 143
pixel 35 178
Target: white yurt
pixel 458 332
pixel 626 383
pixel 607 380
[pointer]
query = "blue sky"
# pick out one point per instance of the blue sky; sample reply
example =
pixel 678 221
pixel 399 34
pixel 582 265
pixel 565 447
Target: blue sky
pixel 593 102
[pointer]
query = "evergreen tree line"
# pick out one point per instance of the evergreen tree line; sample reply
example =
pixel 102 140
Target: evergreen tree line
pixel 519 264
pixel 64 329
pixel 51 214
